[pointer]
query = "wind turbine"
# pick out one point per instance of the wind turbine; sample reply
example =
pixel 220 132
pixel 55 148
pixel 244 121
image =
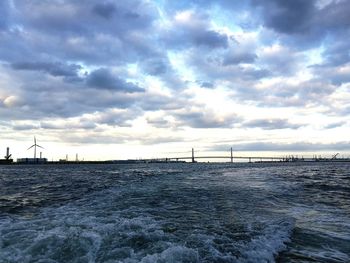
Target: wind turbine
pixel 35 145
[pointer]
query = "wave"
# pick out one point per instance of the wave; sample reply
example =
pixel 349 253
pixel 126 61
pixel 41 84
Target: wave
pixel 74 233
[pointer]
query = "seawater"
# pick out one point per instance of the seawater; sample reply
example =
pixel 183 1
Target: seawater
pixel 175 213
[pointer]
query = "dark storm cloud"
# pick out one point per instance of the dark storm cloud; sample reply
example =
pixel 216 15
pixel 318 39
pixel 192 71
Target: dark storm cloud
pixel 271 124
pixel 55 68
pixel 104 79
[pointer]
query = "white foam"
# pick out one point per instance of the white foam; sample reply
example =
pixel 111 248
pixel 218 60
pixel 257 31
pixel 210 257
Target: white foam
pixel 266 246
pixel 174 254
pixel 72 232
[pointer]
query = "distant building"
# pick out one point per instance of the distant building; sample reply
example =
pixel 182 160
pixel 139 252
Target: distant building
pixel 6 161
pixel 31 160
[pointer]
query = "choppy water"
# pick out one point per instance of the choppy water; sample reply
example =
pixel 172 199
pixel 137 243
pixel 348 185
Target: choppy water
pixel 175 213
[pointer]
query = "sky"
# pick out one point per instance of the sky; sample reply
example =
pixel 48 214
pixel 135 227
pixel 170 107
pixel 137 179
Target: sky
pixel 146 79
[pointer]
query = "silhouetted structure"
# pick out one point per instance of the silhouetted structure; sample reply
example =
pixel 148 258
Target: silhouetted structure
pixel 35 145
pixel 7 159
pixel 31 160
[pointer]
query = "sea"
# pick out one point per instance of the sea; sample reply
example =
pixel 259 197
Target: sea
pixel 175 212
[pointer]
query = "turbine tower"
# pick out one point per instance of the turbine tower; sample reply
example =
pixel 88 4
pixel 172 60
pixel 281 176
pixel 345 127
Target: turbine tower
pixel 35 145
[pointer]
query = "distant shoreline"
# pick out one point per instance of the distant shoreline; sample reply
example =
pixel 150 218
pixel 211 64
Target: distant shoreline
pixel 2 162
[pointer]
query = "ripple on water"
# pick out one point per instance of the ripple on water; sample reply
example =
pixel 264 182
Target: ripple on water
pixel 170 213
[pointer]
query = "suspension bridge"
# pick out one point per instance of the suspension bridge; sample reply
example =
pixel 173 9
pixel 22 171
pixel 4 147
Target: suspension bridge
pixel 231 158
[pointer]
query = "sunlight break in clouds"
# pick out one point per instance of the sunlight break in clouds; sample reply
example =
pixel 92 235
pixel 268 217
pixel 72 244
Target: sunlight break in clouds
pixel 129 79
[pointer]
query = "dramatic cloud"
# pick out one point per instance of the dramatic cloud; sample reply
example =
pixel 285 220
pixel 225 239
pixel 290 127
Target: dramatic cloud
pixel 104 79
pixel 193 28
pixel 55 69
pixel 288 16
pixel 140 73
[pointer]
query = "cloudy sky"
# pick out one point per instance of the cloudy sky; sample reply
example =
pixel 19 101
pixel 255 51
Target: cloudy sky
pixel 141 78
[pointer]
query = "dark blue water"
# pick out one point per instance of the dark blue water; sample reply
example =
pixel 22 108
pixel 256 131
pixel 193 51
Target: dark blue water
pixel 175 213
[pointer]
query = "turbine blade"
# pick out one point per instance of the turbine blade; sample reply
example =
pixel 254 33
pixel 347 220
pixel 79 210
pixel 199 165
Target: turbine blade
pixel 31 146
pixel 39 146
